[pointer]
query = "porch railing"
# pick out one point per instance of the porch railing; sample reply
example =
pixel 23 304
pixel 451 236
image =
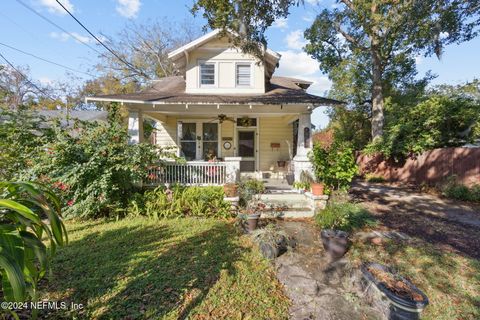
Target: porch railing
pixel 190 173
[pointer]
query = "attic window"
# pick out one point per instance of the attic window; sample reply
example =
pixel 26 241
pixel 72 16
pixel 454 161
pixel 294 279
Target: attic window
pixel 207 74
pixel 243 74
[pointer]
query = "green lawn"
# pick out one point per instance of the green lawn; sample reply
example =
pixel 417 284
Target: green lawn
pixel 167 269
pixel 451 281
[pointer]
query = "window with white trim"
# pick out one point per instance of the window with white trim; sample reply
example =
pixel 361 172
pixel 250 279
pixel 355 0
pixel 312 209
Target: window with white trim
pixel 243 74
pixel 207 74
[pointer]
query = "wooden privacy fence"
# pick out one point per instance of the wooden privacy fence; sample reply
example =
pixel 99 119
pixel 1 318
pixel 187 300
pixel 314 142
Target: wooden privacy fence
pixel 191 173
pixel 430 167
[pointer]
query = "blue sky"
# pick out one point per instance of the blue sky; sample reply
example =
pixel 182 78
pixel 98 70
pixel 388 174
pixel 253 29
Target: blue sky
pixel 26 31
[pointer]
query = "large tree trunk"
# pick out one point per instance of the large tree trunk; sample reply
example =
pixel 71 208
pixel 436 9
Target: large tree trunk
pixel 377 93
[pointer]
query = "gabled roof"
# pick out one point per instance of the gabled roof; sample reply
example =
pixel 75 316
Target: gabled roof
pixel 204 39
pixel 271 57
pixel 171 90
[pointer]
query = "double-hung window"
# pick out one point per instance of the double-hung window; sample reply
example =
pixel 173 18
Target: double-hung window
pixel 243 74
pixel 207 74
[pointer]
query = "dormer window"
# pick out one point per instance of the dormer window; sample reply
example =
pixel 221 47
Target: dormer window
pixel 207 74
pixel 243 74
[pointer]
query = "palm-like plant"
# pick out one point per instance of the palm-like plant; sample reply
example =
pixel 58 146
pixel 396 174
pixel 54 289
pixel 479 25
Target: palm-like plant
pixel 28 211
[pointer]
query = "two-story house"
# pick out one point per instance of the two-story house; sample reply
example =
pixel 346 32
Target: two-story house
pixel 228 106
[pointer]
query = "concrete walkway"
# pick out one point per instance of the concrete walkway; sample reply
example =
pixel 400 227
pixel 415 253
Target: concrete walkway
pixel 318 289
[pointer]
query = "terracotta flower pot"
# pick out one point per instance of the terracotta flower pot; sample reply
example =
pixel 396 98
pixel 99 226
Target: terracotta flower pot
pixel 230 189
pixel 252 221
pixel 317 188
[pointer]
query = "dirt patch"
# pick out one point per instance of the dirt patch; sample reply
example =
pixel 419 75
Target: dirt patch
pixel 448 225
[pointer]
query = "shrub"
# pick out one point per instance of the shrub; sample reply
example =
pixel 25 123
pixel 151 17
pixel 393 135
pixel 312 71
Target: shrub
pixel 25 209
pixel 370 177
pixel 94 168
pixel 334 166
pixel 343 216
pixel 248 188
pixel 182 201
pixel 454 190
pixel 21 132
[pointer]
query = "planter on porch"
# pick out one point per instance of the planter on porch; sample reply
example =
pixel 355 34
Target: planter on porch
pixel 230 190
pixel 317 188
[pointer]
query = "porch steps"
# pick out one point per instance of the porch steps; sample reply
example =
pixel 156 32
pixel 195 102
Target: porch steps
pixel 291 205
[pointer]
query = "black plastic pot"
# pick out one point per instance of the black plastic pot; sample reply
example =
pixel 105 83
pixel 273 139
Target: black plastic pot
pixel 290 178
pixel 400 308
pixel 335 243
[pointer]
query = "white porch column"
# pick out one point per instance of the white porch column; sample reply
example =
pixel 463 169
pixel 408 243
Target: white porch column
pixel 135 126
pixel 301 162
pixel 233 169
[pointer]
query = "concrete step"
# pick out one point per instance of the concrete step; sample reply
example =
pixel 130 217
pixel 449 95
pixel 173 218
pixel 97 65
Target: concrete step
pixel 291 200
pixel 296 213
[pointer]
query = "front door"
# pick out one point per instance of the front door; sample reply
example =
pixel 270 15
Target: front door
pixel 246 150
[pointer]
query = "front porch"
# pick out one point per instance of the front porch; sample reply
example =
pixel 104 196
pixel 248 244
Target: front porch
pixel 262 142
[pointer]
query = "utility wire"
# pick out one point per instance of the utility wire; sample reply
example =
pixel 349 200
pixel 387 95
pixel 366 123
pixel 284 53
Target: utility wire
pixel 25 77
pixel 104 45
pixel 59 27
pixel 45 60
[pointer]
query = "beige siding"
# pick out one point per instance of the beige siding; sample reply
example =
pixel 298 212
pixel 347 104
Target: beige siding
pixel 220 52
pixel 227 131
pixel 274 130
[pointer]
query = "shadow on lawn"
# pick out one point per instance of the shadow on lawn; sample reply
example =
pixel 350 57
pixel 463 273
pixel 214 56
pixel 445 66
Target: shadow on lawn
pixel 143 271
pixel 412 217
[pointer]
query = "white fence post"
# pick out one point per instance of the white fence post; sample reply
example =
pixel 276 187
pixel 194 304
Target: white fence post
pixel 233 169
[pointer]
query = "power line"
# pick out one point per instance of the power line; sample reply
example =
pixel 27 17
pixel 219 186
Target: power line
pixel 45 60
pixel 25 77
pixel 104 45
pixel 59 27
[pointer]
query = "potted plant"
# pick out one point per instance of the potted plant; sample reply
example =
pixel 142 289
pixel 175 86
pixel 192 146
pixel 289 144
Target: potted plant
pixel 230 190
pixel 317 188
pixel 290 177
pixel 404 300
pixel 335 221
pixel 252 213
pixel 335 243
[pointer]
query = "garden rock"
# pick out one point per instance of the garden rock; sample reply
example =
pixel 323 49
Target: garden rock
pixel 318 289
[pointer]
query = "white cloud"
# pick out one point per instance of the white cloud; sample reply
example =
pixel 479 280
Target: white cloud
pixel 54 7
pixel 301 65
pixel 46 81
pixel 63 36
pixel 296 63
pixel 313 2
pixel 295 40
pixel 280 23
pixel 128 8
pixel 320 84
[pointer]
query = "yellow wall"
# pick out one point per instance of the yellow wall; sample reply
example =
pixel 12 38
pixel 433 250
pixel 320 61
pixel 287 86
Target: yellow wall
pixel 227 131
pixel 270 130
pixel 276 130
